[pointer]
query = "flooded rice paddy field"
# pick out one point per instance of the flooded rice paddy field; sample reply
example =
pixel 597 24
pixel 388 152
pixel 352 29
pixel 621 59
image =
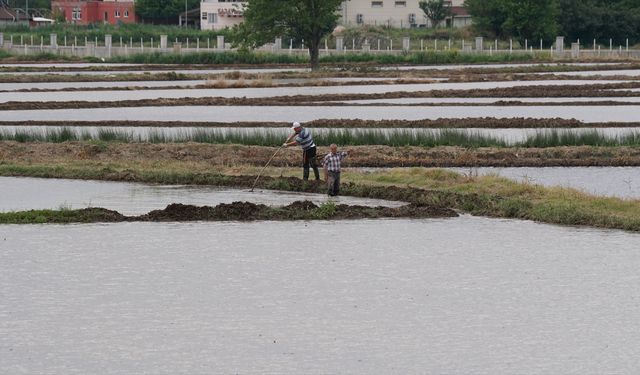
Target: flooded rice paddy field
pixel 587 113
pixel 460 295
pixel 463 295
pixel 22 194
pixel 263 92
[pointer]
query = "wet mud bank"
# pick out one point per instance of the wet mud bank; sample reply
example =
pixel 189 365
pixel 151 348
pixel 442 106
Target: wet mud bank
pixel 236 211
pixel 362 156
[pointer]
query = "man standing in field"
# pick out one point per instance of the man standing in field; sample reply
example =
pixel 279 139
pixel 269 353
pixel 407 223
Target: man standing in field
pixel 304 139
pixel 331 166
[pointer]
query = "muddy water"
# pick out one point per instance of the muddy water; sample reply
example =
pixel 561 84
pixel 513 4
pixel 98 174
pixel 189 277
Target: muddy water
pixel 181 134
pixel 490 100
pixel 465 295
pixel 626 72
pixel 267 92
pixel 621 182
pixel 302 113
pixel 19 194
pixel 64 85
pixel 152 71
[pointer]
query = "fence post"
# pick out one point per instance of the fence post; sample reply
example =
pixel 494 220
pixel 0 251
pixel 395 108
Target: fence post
pixel 53 42
pixel 220 39
pixel 560 45
pixel 163 42
pixel 406 43
pixel 575 50
pixel 479 44
pixel 1 40
pixel 107 44
pixel 340 44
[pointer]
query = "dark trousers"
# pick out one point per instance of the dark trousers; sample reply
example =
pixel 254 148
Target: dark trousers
pixel 309 159
pixel 333 183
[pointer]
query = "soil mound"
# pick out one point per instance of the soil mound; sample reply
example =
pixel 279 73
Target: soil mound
pixel 301 205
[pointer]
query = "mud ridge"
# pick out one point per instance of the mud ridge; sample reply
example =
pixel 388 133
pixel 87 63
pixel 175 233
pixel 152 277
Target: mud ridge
pixel 236 211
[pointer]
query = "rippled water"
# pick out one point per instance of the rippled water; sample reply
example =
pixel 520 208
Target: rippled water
pixel 621 182
pixel 465 295
pixel 20 194
pixel 302 113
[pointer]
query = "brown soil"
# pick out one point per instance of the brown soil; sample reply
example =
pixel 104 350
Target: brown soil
pixel 245 211
pixel 227 156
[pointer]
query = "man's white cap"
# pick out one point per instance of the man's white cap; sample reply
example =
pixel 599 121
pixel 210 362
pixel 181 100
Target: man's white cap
pixel 295 125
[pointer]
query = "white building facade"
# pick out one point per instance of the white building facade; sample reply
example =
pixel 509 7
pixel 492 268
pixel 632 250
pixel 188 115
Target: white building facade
pixel 218 14
pixel 397 13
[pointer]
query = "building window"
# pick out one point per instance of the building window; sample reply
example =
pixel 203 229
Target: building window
pixel 401 4
pixel 376 4
pixel 204 16
pixel 126 13
pixel 213 17
pixel 359 19
pixel 117 13
pixel 76 14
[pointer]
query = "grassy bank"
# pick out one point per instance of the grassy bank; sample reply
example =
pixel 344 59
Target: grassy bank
pixel 440 57
pixel 203 157
pixel 343 137
pixel 486 196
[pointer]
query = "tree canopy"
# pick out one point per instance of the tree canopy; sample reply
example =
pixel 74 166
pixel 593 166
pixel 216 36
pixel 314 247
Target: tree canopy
pixel 543 19
pixel 163 9
pixel 522 19
pixel 435 10
pixel 311 20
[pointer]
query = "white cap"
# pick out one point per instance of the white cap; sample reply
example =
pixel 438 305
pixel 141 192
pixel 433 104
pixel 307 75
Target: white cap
pixel 295 125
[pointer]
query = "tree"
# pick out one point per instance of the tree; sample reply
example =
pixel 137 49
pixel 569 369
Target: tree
pixel 435 10
pixel 601 19
pixel 522 19
pixel 162 9
pixel 264 20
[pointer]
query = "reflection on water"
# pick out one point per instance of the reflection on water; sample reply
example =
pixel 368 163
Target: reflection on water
pixel 20 193
pixel 463 295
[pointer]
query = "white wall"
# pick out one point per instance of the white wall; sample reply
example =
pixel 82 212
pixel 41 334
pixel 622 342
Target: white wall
pixel 394 13
pixel 212 18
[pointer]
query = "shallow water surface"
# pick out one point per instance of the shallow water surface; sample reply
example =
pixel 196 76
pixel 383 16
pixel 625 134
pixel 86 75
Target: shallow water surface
pixel 21 193
pixel 627 113
pixel 464 295
pixel 621 182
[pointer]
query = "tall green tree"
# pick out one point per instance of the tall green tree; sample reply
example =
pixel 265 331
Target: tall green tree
pixel 311 20
pixel 157 10
pixel 601 19
pixel 435 10
pixel 522 19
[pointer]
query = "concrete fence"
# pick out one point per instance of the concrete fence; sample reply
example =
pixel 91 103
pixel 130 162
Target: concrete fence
pixel 109 47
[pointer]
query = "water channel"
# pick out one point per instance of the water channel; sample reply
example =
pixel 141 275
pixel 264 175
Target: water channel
pixel 21 194
pixel 587 114
pixel 464 295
